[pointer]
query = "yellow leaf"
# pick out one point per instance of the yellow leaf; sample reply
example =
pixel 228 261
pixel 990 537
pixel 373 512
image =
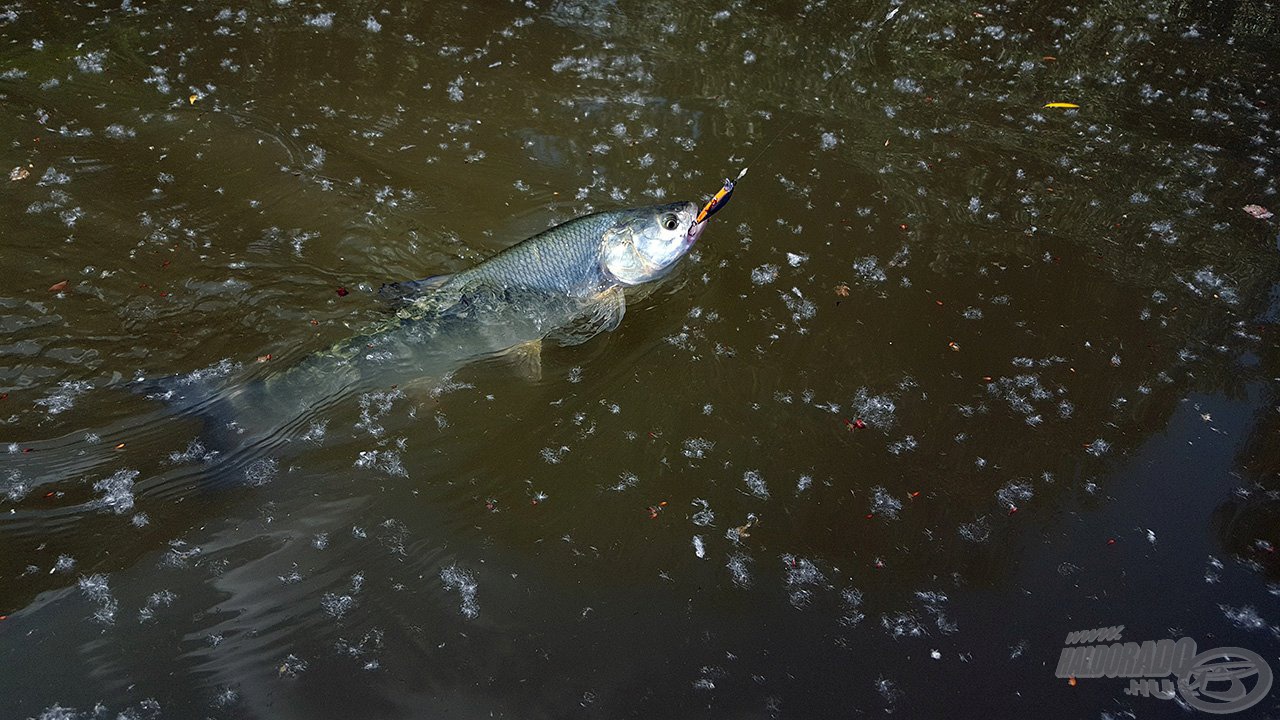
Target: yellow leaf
pixel 1061 105
pixel 193 98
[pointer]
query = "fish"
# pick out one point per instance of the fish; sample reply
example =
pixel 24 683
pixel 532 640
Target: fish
pixel 565 284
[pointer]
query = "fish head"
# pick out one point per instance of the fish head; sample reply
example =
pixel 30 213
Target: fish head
pixel 645 243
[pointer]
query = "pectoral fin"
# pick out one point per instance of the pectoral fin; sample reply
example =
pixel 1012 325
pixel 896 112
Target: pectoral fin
pixel 603 314
pixel 527 358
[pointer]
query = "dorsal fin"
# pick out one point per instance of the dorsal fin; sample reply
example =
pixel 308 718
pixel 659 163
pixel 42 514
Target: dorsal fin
pixel 401 293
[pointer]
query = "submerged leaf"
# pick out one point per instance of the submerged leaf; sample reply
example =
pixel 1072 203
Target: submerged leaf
pixel 1258 211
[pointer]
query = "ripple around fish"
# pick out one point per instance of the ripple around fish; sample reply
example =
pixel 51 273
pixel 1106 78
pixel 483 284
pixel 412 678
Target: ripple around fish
pixel 275 619
pixel 80 451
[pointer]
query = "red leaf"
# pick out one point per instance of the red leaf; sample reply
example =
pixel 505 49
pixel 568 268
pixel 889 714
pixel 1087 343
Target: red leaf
pixel 342 292
pixel 58 286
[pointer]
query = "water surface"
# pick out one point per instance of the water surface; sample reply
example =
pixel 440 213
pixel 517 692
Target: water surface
pixel 953 375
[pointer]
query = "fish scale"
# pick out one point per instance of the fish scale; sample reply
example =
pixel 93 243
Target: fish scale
pixel 565 259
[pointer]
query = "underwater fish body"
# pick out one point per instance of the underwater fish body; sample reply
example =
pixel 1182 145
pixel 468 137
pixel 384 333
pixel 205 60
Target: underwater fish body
pixel 567 282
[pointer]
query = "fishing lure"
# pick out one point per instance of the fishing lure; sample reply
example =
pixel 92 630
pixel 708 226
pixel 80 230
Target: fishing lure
pixel 721 198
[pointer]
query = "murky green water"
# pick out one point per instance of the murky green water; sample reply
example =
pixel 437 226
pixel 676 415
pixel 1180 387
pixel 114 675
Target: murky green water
pixel 955 374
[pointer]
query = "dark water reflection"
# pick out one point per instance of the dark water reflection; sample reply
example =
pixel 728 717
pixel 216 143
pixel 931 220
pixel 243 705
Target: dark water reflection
pixel 954 373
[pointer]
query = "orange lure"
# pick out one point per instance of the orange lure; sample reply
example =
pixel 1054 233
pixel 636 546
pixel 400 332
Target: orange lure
pixel 721 198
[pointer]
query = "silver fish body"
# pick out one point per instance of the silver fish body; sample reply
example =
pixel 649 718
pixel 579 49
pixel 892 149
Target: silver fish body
pixel 568 280
pixel 592 253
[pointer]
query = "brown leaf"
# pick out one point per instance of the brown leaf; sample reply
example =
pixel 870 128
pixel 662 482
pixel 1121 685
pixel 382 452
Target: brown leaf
pixel 58 286
pixel 19 173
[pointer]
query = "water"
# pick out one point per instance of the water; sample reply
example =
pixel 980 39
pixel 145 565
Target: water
pixel 953 375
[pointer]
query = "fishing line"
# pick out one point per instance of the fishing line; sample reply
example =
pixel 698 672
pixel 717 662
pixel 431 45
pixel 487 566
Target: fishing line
pixel 721 197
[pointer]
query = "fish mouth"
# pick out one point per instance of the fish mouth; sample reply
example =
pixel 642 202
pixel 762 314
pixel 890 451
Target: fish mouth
pixel 695 232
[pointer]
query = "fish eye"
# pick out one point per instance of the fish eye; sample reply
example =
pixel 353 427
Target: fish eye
pixel 670 221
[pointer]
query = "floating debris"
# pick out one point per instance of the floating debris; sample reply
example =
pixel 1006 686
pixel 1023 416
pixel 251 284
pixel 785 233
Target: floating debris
pixel 463 582
pixel 755 483
pixel 117 491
